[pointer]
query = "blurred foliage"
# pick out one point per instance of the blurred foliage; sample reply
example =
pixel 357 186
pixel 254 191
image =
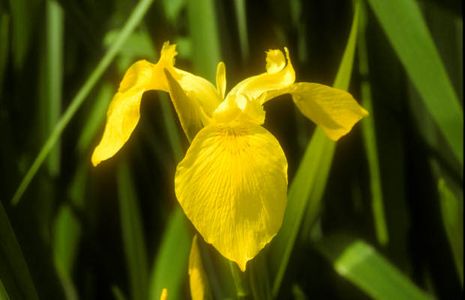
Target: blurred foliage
pixel 379 214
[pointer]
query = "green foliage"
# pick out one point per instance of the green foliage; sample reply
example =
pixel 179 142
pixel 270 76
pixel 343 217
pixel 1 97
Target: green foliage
pixel 366 268
pixel 378 214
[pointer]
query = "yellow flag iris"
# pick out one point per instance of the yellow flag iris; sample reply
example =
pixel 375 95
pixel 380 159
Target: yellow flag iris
pixel 232 183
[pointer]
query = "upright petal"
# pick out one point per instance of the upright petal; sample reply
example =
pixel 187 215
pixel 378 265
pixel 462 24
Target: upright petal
pixel 198 89
pixel 333 109
pixel 189 112
pixel 232 185
pixel 278 75
pixel 164 294
pixel 197 278
pixel 221 79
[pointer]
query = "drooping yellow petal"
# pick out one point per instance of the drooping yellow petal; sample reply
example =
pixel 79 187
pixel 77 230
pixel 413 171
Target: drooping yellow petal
pixel 278 75
pixel 123 113
pixel 232 185
pixel 197 279
pixel 334 110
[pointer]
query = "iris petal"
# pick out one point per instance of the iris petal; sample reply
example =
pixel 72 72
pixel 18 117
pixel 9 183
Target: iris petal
pixel 334 110
pixel 232 185
pixel 279 75
pixel 197 278
pixel 123 113
pixel 221 79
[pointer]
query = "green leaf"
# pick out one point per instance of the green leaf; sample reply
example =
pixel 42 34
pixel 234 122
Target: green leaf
pixel 364 267
pixel 95 117
pixel 3 292
pixel 452 219
pixel 203 25
pixel 133 20
pixel 4 45
pixel 306 190
pixel 170 267
pixel 23 15
pixel 14 271
pixel 51 80
pixel 406 30
pixel 133 237
pixel 369 138
pixel 68 232
pixel 241 19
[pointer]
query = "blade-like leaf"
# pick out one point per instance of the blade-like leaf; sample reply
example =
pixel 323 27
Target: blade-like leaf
pixel 4 44
pixel 170 267
pixel 452 218
pixel 369 138
pixel 23 16
pixel 133 20
pixel 133 237
pixel 14 271
pixel 307 188
pixel 3 293
pixel 203 25
pixel 364 267
pixel 406 30
pixel 51 80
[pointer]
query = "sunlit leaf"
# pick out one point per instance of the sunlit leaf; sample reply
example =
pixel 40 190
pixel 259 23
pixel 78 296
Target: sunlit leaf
pixel 364 267
pixel 306 190
pixel 405 28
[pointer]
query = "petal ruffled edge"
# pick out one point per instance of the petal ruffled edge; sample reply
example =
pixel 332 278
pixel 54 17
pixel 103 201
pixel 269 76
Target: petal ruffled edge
pixel 279 74
pixel 124 111
pixel 334 110
pixel 232 185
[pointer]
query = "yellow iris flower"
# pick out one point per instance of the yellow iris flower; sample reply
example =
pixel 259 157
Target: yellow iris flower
pixel 232 183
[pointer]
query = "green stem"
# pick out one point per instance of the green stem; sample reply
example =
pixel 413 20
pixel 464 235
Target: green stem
pixel 369 138
pixel 239 282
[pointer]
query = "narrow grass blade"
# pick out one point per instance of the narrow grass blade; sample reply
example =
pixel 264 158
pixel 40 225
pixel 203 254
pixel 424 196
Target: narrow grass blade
pixel 4 44
pixel 203 27
pixel 169 121
pixel 3 292
pixel 14 271
pixel 170 267
pixel 117 293
pixel 306 190
pixel 96 117
pixel 241 15
pixel 304 195
pixel 52 70
pixel 133 20
pixel 452 219
pixel 406 30
pixel 23 15
pixel 133 235
pixel 68 232
pixel 364 267
pixel 369 138
pixel 66 238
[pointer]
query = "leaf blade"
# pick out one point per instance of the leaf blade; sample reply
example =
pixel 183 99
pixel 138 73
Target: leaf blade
pixel 406 30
